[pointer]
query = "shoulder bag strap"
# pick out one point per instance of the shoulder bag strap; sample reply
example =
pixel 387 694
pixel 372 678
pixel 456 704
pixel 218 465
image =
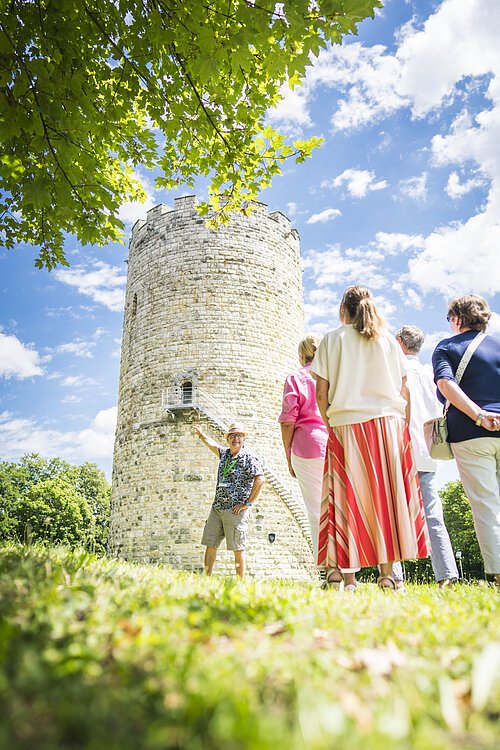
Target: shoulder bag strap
pixel 466 358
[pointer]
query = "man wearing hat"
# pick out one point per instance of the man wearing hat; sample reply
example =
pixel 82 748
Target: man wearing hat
pixel 239 480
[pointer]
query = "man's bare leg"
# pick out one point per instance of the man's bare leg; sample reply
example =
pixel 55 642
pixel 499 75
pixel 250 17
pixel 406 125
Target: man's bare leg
pixel 239 562
pixel 210 555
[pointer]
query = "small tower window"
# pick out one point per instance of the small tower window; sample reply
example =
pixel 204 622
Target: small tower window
pixel 187 392
pixel 134 306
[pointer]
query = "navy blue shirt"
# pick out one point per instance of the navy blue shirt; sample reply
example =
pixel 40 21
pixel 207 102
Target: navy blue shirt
pixel 480 381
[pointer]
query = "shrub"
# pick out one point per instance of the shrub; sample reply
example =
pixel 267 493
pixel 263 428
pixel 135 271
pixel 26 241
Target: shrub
pixel 460 525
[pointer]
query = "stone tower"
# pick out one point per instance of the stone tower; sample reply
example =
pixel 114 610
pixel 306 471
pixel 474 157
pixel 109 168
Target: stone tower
pixel 211 328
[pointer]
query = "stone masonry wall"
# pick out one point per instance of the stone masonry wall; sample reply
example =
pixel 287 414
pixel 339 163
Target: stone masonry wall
pixel 222 309
pixel 166 511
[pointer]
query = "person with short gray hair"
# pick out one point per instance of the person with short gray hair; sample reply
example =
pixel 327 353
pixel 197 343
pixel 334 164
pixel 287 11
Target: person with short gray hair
pixel 412 338
pixel 424 406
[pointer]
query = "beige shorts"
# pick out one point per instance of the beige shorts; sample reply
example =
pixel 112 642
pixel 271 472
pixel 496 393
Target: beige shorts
pixel 225 523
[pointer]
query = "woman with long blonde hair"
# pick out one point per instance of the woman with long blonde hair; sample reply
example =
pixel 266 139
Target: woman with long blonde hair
pixel 371 512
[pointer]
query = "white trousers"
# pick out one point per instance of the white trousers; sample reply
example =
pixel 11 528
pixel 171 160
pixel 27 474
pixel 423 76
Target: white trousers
pixel 309 473
pixel 478 462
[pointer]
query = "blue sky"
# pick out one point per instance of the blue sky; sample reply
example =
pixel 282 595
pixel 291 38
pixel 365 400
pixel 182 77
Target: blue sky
pixel 404 197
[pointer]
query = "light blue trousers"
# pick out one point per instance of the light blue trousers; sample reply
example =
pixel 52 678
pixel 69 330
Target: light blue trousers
pixel 442 556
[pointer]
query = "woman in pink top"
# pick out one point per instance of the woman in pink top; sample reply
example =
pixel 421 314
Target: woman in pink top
pixel 305 435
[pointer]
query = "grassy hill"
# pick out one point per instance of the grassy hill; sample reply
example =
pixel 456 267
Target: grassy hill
pixel 99 654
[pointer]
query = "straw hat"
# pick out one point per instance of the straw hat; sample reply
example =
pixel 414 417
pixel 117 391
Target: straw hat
pixel 236 427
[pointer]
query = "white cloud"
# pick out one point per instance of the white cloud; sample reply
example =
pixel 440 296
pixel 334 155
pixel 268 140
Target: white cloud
pixel 394 243
pixel 290 114
pixel 291 209
pixel 445 264
pixel 327 215
pixel 447 471
pixel 71 400
pixel 432 339
pixel 18 360
pixel 132 211
pixel 332 267
pixel 104 284
pixel 321 309
pixel 77 381
pixel 450 57
pixel 98 439
pixel 415 187
pixel 81 312
pixel 320 326
pixel 369 76
pixel 458 41
pixel 81 347
pixel 494 324
pixel 385 307
pixel 364 254
pixel 116 353
pixel 78 348
pixel 359 182
pixel 410 297
pixel 20 436
pixel 457 189
pixel 460 258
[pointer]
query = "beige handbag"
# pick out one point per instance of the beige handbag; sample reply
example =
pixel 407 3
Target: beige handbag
pixel 436 438
pixel 436 430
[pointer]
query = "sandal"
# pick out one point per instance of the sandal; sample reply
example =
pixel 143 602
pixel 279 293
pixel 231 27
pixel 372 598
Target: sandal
pixel 334 583
pixel 351 587
pixel 389 586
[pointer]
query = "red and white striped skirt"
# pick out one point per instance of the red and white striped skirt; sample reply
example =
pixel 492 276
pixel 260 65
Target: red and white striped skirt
pixel 371 510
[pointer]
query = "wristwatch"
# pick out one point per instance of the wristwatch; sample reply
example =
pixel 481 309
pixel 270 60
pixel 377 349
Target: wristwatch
pixel 479 419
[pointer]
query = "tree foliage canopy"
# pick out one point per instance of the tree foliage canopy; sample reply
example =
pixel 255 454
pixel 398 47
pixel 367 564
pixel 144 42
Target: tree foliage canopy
pixel 460 524
pixel 90 89
pixel 54 501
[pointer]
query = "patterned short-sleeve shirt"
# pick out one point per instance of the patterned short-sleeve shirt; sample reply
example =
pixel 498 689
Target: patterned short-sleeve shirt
pixel 235 477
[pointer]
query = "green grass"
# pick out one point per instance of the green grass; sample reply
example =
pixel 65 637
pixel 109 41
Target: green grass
pixel 99 654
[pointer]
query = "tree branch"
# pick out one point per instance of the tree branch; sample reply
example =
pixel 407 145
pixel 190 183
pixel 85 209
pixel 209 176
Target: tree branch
pixel 121 52
pixel 42 119
pixel 188 78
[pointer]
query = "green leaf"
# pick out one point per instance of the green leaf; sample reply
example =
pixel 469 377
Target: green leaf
pixel 76 118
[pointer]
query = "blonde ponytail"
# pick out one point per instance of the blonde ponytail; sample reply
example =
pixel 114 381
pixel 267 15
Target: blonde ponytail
pixel 308 346
pixel 360 310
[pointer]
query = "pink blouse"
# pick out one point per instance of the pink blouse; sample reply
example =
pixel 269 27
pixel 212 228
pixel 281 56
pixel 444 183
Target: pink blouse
pixel 299 406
